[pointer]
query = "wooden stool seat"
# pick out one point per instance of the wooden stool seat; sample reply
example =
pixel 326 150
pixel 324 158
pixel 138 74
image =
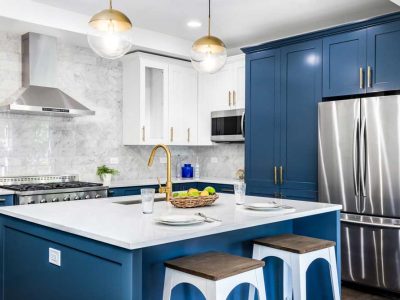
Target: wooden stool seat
pixel 294 243
pixel 214 265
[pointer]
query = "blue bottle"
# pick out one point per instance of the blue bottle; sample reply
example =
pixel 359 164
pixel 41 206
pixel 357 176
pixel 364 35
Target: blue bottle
pixel 187 171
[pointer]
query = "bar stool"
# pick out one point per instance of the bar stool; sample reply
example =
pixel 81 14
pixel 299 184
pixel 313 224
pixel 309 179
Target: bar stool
pixel 297 253
pixel 215 274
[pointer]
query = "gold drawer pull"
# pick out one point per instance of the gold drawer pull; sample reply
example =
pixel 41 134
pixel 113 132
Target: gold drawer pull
pixel 275 176
pixel 172 134
pixel 361 78
pixel 281 174
pixel 143 133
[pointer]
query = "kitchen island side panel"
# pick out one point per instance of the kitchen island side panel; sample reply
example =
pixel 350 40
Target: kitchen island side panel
pixel 89 269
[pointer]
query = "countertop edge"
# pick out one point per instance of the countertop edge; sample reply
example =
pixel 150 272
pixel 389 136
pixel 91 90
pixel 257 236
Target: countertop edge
pixel 139 245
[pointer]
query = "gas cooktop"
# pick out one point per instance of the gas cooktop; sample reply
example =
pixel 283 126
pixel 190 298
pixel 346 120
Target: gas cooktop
pixel 49 186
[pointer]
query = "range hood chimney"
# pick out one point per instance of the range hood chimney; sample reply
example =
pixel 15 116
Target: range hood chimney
pixel 39 94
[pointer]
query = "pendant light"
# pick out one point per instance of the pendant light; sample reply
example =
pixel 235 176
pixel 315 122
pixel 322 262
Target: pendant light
pixel 208 53
pixel 109 38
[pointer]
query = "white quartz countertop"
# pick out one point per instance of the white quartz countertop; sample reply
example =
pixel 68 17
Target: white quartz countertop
pixel 6 192
pixel 152 181
pixel 125 226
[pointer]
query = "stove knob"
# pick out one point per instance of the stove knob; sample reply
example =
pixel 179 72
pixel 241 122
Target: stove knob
pixel 87 197
pixel 97 196
pixel 31 202
pixel 43 201
pixel 77 198
pixel 54 200
pixel 67 198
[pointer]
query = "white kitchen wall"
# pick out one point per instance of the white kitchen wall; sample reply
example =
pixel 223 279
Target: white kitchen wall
pixel 31 145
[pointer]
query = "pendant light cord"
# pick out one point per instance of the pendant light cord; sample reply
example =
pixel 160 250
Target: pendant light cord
pixel 209 17
pixel 111 4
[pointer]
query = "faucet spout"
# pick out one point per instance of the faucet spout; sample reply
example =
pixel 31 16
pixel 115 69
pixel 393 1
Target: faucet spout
pixel 167 189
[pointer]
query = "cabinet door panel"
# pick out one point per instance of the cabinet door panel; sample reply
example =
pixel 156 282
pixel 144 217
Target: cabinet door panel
pixel 239 84
pixel 262 128
pixel 384 57
pixel 221 87
pixel 301 92
pixel 344 55
pixel 182 105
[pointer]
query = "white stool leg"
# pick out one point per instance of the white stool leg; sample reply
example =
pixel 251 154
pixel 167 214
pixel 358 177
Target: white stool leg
pixel 256 255
pixel 334 274
pixel 287 282
pixel 262 295
pixel 298 277
pixel 167 285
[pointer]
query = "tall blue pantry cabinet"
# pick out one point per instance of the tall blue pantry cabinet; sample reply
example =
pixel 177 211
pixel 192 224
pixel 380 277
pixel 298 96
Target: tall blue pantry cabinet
pixel 284 86
pixel 286 79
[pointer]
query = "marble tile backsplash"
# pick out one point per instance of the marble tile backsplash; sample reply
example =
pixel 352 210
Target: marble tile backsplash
pixel 34 145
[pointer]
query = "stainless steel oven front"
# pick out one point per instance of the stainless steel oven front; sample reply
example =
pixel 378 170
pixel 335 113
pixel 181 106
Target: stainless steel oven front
pixel 227 126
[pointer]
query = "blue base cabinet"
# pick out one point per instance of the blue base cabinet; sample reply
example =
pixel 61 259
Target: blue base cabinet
pixel 135 190
pixel 6 200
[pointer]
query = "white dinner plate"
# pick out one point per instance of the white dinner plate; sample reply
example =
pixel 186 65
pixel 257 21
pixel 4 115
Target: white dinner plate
pixel 179 220
pixel 263 206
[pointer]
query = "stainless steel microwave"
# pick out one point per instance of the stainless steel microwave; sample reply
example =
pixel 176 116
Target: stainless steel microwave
pixel 227 126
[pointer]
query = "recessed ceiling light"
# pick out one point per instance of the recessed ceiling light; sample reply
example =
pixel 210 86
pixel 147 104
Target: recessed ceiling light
pixel 194 24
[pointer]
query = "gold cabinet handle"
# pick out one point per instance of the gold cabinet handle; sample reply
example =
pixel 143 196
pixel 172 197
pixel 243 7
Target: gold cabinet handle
pixel 172 134
pixel 234 98
pixel 188 135
pixel 361 78
pixel 229 97
pixel 275 175
pixel 143 133
pixel 369 77
pixel 281 175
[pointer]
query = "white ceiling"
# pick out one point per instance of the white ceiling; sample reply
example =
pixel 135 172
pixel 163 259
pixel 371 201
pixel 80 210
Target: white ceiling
pixel 237 22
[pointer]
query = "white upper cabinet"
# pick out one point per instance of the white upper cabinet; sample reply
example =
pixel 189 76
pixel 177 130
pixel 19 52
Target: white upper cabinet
pixel 159 101
pixel 182 105
pixel 145 101
pixel 228 85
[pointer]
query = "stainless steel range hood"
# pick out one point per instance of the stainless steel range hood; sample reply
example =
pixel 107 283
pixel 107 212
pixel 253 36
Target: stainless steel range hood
pixel 39 94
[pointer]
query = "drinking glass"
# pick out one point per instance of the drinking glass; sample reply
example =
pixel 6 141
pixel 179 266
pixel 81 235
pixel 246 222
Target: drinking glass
pixel 147 200
pixel 240 192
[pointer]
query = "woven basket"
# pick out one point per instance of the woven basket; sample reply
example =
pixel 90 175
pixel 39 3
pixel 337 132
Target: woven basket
pixel 191 202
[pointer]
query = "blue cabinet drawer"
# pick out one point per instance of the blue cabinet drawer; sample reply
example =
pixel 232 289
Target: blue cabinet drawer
pixel 6 200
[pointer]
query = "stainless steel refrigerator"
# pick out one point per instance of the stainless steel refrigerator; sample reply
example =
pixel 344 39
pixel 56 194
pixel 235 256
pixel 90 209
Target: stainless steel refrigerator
pixel 359 167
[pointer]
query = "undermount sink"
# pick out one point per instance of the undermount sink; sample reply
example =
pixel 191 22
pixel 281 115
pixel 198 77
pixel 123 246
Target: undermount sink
pixel 131 202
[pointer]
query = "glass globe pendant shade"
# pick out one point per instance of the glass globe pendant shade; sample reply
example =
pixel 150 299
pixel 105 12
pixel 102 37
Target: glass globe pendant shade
pixel 110 45
pixel 108 38
pixel 208 54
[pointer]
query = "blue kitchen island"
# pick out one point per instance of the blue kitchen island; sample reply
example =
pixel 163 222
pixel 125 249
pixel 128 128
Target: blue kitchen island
pixel 105 249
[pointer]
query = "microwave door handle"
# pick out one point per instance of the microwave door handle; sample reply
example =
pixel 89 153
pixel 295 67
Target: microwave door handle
pixel 242 123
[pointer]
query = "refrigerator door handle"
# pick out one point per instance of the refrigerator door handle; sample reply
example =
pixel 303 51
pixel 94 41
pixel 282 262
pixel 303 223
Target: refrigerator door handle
pixel 356 160
pixel 363 164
